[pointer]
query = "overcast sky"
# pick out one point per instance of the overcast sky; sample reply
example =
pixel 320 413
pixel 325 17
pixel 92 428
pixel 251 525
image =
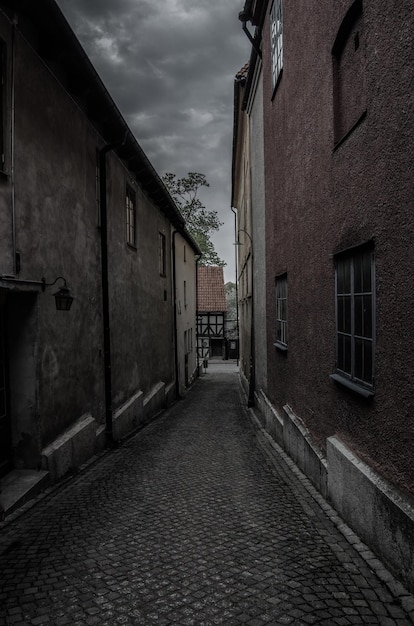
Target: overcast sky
pixel 170 68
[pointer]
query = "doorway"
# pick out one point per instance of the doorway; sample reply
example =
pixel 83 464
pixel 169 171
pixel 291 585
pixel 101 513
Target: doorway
pixel 216 348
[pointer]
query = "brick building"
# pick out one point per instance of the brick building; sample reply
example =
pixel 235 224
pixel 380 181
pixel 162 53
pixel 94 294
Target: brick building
pixel 338 131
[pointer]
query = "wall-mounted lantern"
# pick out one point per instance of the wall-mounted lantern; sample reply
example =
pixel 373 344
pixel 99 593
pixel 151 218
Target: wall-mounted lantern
pixel 63 297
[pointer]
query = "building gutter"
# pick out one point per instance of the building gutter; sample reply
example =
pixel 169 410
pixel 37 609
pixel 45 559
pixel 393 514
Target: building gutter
pixel 177 379
pixel 16 259
pixel 236 259
pixel 197 333
pixel 109 435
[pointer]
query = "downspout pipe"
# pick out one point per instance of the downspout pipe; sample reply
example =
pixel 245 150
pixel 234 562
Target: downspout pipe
pixel 109 433
pixel 198 259
pixel 16 259
pixel 236 259
pixel 177 378
pixel 106 317
pixel 244 17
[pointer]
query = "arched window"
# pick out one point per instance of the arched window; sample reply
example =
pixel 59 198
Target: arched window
pixel 348 55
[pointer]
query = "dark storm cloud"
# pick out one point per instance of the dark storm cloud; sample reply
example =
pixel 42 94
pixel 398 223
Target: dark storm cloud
pixel 170 68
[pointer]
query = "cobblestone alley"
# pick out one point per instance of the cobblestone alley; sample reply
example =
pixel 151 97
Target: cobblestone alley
pixel 194 520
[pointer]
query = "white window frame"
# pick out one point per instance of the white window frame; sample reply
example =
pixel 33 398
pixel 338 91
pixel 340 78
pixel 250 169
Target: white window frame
pixel 281 311
pixel 276 41
pixel 162 242
pixel 131 217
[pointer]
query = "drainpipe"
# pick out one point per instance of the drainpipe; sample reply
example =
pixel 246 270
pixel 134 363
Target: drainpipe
pixel 237 278
pixel 106 318
pixel 109 433
pixel 244 17
pixel 16 259
pixel 197 334
pixel 177 380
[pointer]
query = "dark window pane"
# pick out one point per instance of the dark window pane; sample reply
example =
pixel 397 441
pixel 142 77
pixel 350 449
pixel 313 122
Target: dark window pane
pixel 367 316
pixel 343 272
pixel 284 332
pixel 366 269
pixel 359 359
pixel 358 273
pixel 340 363
pixel 344 353
pixel 344 314
pixel 341 315
pixel 358 308
pixel 347 314
pixel 368 362
pixel 347 351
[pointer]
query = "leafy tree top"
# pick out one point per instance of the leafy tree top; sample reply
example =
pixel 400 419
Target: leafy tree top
pixel 200 222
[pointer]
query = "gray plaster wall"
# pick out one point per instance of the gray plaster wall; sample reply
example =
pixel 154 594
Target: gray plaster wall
pixel 258 226
pixel 57 235
pixel 373 508
pixel 6 221
pixel 57 369
pixel 142 328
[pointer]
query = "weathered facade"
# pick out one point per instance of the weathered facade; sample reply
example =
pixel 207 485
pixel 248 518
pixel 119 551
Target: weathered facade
pixel 185 306
pixel 249 202
pixel 79 200
pixel 338 126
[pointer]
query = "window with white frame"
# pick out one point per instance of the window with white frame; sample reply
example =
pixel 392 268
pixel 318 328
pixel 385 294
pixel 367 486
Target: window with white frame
pixel 162 253
pixel 355 316
pixel 281 310
pixel 130 205
pixel 276 40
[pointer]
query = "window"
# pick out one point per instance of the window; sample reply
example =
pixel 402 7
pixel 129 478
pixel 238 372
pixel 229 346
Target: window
pixel 276 40
pixel 349 90
pixel 185 294
pixel 131 217
pixel 162 250
pixel 355 317
pixel 281 311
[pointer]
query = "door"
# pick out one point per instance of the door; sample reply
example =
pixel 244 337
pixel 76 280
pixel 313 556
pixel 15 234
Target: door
pixel 217 348
pixel 5 423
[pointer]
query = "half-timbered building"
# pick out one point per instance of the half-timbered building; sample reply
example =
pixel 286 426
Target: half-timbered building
pixel 211 313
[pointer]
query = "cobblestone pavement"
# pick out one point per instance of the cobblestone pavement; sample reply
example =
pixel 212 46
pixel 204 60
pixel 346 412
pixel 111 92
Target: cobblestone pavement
pixel 195 520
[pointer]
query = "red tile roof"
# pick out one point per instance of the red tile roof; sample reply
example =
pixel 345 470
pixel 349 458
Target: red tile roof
pixel 210 293
pixel 243 72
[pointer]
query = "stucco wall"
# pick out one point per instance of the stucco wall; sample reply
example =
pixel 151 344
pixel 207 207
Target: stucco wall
pixel 56 361
pixel 185 270
pixel 320 200
pixel 141 320
pixel 255 111
pixel 57 235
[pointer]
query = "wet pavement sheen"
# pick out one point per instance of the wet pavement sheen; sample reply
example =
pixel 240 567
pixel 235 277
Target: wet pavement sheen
pixel 191 521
